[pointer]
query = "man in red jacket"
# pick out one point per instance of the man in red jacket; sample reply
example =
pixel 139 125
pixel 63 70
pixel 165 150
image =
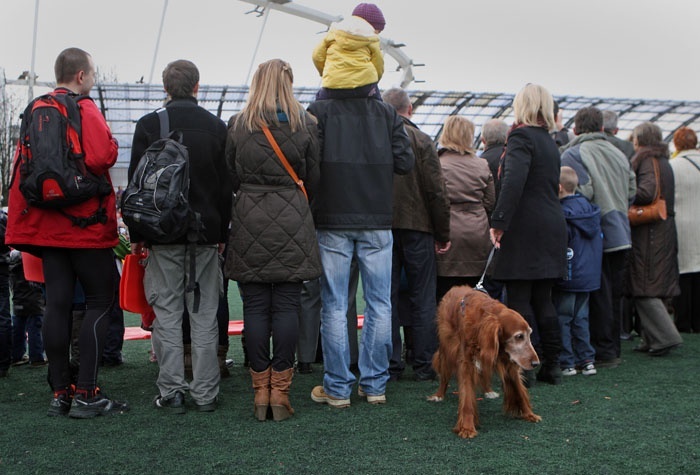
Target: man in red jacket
pixel 70 252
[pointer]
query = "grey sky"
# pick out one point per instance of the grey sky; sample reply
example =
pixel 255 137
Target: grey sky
pixel 608 48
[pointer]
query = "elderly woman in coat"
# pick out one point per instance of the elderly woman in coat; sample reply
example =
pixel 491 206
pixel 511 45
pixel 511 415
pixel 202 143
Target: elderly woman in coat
pixel 471 192
pixel 272 246
pixel 528 223
pixel 686 173
pixel 653 269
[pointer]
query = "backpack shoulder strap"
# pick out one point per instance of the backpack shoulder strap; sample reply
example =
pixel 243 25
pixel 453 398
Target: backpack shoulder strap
pixel 70 102
pixel 164 120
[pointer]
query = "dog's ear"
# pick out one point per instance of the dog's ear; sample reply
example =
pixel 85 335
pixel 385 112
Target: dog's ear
pixel 489 335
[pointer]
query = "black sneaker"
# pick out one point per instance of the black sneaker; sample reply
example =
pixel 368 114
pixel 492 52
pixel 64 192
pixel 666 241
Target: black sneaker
pixel 99 405
pixel 60 404
pixel 174 403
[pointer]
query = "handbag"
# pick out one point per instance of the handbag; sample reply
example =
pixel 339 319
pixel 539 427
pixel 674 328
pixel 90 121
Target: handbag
pixel 284 161
pixel 132 296
pixel 654 211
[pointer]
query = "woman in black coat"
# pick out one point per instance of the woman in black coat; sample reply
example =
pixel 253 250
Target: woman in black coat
pixel 528 226
pixel 653 267
pixel 272 245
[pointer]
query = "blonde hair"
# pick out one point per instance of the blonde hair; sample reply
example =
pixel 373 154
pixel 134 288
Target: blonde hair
pixel 568 179
pixel 533 104
pixel 270 91
pixel 458 134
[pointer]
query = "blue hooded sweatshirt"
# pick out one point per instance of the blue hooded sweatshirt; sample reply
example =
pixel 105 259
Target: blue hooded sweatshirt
pixel 584 252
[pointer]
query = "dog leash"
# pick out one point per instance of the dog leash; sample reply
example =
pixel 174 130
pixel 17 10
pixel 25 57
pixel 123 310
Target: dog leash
pixel 480 285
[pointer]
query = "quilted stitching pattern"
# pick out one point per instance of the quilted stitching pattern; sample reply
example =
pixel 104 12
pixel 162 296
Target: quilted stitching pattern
pixel 272 237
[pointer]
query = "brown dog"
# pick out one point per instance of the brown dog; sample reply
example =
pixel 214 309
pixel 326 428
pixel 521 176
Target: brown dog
pixel 477 336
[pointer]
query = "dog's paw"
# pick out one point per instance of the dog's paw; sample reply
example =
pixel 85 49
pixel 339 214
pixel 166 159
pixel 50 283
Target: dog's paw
pixel 532 417
pixel 491 395
pixel 434 398
pixel 465 432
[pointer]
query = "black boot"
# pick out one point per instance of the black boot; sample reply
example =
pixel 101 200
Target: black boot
pixel 550 341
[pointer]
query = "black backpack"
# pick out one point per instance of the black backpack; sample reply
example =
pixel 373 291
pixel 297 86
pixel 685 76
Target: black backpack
pixel 51 164
pixel 155 203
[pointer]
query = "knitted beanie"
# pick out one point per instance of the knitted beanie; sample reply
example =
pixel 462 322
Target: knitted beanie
pixel 371 14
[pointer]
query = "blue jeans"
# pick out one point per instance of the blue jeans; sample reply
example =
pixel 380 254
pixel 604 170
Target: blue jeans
pixel 576 349
pixel 373 251
pixel 27 329
pixel 5 321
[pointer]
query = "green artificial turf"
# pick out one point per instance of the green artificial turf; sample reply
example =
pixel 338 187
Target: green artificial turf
pixel 640 418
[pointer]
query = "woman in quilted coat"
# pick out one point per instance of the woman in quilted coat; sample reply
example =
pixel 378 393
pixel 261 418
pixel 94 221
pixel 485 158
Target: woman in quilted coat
pixel 272 245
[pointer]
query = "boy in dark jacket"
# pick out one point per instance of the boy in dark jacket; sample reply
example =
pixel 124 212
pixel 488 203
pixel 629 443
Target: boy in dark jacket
pixel 27 315
pixel 584 257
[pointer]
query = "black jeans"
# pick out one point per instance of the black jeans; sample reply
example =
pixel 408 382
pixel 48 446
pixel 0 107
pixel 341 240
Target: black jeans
pixel 5 320
pixel 533 300
pixel 94 268
pixel 414 254
pixel 271 310
pixel 605 312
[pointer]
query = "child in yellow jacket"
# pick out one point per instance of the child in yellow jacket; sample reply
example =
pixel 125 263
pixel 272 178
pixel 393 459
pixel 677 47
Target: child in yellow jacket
pixel 349 59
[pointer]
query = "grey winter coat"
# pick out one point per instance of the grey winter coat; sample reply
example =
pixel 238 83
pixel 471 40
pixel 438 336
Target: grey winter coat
pixel 272 235
pixel 653 267
pixel 607 180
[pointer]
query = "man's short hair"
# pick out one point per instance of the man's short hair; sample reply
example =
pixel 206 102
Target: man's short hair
pixel 609 121
pixel 70 62
pixel 588 119
pixel 568 179
pixel 494 131
pixel 397 98
pixel 180 78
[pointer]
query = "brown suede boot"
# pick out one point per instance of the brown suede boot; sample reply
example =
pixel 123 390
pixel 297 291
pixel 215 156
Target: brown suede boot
pixel 221 355
pixel 188 360
pixel 261 385
pixel 279 395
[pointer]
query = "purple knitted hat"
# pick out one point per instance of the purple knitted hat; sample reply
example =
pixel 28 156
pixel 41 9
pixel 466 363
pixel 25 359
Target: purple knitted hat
pixel 370 13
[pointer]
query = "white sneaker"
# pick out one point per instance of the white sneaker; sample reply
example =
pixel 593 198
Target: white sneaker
pixel 568 372
pixel 589 370
pixel 378 399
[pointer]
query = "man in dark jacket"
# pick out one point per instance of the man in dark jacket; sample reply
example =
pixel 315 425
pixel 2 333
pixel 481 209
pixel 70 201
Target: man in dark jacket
pixel 421 227
pixel 5 317
pixel 493 136
pixel 610 128
pixel 363 142
pixel 204 135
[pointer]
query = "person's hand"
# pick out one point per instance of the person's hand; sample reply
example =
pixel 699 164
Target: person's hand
pixel 442 247
pixel 496 235
pixel 222 246
pixel 138 248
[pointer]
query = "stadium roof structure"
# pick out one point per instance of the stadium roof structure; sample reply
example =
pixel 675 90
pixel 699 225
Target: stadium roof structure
pixel 124 104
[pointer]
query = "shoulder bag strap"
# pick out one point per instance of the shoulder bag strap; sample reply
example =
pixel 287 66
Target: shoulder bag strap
pixel 692 162
pixel 657 176
pixel 284 161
